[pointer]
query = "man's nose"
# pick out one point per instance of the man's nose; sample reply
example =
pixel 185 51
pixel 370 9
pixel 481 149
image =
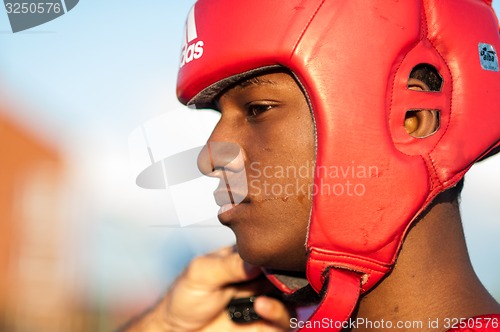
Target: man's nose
pixel 217 156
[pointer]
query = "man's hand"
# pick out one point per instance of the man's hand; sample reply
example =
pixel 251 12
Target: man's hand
pixel 197 300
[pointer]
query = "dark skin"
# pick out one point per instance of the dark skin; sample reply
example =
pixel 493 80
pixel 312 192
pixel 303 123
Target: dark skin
pixel 433 276
pixel 270 121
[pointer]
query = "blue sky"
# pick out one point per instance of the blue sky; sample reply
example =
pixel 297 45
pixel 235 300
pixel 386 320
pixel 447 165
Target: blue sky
pixel 85 81
pixel 100 61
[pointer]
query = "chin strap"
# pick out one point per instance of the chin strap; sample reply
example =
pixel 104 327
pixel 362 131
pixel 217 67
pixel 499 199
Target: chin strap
pixel 340 299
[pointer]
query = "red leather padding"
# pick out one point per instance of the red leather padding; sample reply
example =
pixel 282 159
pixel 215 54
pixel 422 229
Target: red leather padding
pixel 353 59
pixel 239 37
pixel 349 78
pixel 339 301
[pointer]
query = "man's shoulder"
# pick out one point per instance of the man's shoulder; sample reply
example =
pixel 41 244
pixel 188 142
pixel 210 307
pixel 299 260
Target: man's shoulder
pixel 484 323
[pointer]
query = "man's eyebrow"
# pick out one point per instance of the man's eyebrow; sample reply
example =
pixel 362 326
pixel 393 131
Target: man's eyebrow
pixel 255 81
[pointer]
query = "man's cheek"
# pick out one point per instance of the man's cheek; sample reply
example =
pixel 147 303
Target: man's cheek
pixel 255 188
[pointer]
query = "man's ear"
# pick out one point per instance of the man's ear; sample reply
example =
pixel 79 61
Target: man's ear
pixel 420 123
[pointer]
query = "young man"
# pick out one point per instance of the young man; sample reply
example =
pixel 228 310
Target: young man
pixel 354 123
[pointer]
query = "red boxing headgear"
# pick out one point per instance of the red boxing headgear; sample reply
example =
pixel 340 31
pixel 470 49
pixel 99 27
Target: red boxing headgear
pixel 354 58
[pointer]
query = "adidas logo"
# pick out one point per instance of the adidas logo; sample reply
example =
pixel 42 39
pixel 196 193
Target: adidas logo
pixel 192 49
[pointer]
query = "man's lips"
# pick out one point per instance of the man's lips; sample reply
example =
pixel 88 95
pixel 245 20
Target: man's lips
pixel 229 201
pixel 229 197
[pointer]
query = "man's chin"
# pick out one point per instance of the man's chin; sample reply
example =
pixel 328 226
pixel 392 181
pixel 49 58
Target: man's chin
pixel 268 260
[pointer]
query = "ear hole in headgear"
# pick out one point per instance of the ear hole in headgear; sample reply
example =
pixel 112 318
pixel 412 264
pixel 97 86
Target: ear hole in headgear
pixel 422 123
pixel 428 74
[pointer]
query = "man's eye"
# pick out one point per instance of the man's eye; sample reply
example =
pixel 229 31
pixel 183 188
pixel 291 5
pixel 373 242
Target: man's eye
pixel 255 110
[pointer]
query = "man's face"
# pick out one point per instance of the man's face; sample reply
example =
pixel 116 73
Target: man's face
pixel 268 121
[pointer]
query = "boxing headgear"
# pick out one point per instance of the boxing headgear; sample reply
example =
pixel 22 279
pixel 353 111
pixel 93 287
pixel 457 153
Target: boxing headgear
pixel 353 59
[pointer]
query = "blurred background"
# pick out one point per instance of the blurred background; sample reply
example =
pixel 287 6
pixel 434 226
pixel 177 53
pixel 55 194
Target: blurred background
pixel 82 247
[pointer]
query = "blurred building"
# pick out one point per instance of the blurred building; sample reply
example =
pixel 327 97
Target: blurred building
pixel 33 280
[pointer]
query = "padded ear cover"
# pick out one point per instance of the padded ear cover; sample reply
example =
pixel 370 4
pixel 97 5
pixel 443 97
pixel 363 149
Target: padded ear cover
pixel 354 59
pixel 364 97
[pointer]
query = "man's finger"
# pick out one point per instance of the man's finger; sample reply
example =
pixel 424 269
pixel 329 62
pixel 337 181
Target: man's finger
pixel 220 270
pixel 273 311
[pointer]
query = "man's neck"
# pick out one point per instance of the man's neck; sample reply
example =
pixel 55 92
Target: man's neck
pixel 433 278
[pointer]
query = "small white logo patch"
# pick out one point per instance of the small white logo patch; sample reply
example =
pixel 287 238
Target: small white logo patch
pixel 488 57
